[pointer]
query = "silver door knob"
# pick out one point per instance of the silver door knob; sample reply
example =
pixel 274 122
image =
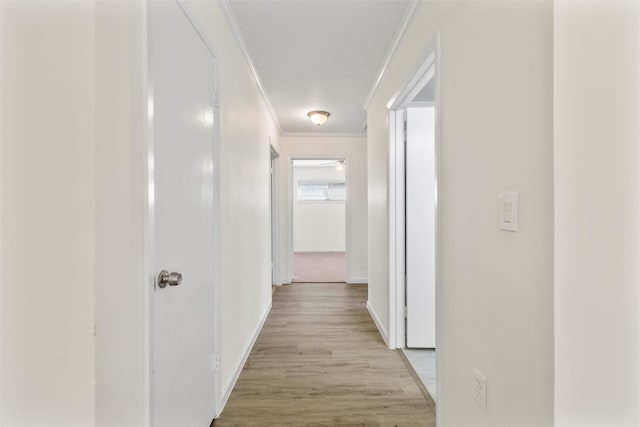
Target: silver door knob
pixel 172 279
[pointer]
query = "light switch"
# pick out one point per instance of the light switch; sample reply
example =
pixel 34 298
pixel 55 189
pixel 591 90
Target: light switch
pixel 507 206
pixel 509 211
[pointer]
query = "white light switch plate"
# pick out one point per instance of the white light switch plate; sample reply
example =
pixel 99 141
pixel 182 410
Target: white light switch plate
pixel 509 211
pixel 480 389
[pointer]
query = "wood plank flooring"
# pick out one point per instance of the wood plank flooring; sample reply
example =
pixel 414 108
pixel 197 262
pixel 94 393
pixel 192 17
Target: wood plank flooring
pixel 320 361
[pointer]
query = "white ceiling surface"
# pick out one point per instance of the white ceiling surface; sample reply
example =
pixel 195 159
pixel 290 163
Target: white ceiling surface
pixel 319 55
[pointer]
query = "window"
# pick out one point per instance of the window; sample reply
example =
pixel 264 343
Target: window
pixel 321 191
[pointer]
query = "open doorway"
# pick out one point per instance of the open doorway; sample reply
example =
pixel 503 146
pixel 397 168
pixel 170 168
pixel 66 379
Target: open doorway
pixel 275 224
pixel 319 220
pixel 414 283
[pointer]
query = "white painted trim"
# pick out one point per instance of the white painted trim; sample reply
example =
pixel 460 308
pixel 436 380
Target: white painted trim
pixel 324 134
pixel 217 244
pixel 148 276
pixel 237 34
pixel 378 324
pixel 347 218
pixel 245 355
pixel 427 69
pixel 419 104
pixel 424 72
pixel 391 231
pixel 357 281
pixel 194 22
pixel 401 273
pixel 290 197
pixel 328 252
pixel 396 229
pixel 402 29
pixel 274 180
pixel 440 337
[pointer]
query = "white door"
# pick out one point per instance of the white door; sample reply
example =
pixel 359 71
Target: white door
pixel 181 198
pixel 274 217
pixel 420 227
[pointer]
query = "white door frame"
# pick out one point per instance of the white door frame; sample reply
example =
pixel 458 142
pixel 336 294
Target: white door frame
pixel 426 70
pixel 420 315
pixel 347 207
pixel 149 275
pixel 275 215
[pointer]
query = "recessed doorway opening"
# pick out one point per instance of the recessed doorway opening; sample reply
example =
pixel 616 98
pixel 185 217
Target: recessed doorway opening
pixel 413 226
pixel 319 199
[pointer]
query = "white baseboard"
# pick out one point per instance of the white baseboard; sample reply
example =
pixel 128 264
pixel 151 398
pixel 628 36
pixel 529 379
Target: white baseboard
pixel 357 281
pixel 247 351
pixel 286 280
pixel 320 251
pixel 378 323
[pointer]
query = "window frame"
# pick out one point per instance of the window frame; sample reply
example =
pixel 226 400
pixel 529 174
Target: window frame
pixel 328 183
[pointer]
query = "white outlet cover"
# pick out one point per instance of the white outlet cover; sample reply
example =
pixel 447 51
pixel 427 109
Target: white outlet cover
pixel 509 211
pixel 480 390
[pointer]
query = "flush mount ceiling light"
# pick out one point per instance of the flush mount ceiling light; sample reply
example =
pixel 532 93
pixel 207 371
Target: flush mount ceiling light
pixel 318 117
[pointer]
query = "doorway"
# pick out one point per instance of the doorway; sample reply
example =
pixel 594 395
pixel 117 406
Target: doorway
pixel 275 223
pixel 319 198
pixel 182 220
pixel 414 282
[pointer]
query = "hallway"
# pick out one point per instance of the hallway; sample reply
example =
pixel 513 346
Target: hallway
pixel 320 361
pixel 537 235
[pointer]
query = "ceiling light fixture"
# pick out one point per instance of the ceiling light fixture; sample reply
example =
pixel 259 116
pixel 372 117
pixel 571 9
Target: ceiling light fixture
pixel 318 117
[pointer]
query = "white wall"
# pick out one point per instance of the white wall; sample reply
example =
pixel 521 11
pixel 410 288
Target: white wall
pixel 47 215
pixel 495 129
pixel 354 149
pixel 318 226
pixel 597 211
pixel 122 371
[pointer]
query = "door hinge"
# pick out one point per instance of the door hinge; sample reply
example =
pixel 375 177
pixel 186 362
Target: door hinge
pixel 216 99
pixel 405 311
pixel 405 131
pixel 215 362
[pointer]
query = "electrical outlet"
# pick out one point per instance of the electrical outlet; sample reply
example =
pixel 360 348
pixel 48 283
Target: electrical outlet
pixel 480 389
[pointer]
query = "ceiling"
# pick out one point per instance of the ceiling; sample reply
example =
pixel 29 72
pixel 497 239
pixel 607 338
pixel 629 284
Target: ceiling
pixel 318 55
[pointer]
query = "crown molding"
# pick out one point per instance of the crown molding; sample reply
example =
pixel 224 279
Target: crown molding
pixel 402 29
pixel 237 34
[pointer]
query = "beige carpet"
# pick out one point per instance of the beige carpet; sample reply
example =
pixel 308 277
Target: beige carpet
pixel 319 267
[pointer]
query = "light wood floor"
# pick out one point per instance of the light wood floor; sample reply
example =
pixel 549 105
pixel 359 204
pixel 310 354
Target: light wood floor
pixel 320 361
